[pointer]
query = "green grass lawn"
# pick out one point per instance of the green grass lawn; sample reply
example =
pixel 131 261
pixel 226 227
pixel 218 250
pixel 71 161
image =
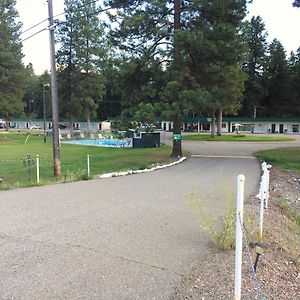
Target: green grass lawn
pixel 285 158
pixel 73 160
pixel 235 138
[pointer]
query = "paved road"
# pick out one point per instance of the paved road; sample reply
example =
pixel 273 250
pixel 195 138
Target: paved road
pixel 236 148
pixel 131 237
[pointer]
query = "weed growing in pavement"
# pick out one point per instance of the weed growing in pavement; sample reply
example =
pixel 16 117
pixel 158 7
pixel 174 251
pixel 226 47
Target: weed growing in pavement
pixel 220 230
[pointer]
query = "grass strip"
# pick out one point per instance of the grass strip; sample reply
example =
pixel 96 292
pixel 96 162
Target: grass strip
pixel 284 158
pixel 15 173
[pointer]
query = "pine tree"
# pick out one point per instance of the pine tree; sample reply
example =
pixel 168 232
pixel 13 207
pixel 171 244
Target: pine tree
pixel 69 104
pixel 12 71
pixel 254 66
pixel 277 103
pixel 33 97
pixel 294 64
pixel 214 51
pixel 147 30
pixel 198 44
pixel 81 59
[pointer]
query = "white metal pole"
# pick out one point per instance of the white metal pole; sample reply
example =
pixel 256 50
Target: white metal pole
pixel 239 237
pixel 37 169
pixel 261 210
pixel 88 166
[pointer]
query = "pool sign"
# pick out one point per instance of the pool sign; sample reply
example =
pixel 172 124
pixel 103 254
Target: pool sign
pixel 176 137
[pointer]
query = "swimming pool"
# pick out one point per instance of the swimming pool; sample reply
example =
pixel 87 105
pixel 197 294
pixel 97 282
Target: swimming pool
pixel 103 143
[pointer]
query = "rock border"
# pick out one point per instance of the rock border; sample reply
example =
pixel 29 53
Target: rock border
pixel 130 172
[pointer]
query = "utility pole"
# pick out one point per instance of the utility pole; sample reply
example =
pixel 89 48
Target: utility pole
pixel 55 131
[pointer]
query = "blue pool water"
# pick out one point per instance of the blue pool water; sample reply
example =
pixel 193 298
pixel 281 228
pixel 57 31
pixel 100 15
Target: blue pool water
pixel 103 143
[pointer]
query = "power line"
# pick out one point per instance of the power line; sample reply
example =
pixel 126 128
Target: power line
pixel 37 24
pixel 58 15
pixel 68 21
pixel 33 34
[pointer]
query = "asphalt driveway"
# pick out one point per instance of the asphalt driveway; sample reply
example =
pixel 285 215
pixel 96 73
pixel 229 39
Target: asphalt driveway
pixel 130 237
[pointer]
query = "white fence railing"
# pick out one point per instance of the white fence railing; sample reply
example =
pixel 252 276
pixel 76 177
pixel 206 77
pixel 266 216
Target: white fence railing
pixel 263 195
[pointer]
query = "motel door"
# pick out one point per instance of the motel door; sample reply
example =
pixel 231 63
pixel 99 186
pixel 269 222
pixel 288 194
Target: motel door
pixel 280 128
pixel 273 128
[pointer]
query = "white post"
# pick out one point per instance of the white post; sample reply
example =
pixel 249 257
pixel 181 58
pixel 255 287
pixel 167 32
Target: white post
pixel 261 210
pixel 37 169
pixel 239 237
pixel 88 166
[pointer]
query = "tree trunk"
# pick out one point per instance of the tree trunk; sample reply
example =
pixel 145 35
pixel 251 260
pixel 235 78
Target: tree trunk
pixel 71 123
pixel 6 125
pixel 176 151
pixel 219 122
pixel 213 123
pixel 88 120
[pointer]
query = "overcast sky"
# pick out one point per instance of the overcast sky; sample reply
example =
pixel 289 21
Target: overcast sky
pixel 281 19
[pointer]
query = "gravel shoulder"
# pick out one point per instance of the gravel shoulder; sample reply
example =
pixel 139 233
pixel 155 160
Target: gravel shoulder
pixel 278 272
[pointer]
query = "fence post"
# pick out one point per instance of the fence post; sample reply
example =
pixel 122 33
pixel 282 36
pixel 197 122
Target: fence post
pixel 239 237
pixel 37 169
pixel 88 166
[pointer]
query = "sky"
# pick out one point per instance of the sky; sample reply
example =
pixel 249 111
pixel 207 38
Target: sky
pixel 282 21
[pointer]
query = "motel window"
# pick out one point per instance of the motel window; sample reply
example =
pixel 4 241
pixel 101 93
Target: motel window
pixel 206 126
pixel 295 128
pixel 223 125
pixel 248 127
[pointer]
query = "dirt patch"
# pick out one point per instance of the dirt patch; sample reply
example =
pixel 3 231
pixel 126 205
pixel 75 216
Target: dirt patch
pixel 278 271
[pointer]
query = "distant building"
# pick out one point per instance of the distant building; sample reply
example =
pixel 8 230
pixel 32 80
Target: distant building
pixel 39 123
pixel 250 125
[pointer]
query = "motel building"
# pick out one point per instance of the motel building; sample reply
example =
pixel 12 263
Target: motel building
pixel 39 124
pixel 246 125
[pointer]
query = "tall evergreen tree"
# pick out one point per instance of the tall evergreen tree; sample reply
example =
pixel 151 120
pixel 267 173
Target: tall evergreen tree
pixel 69 104
pixel 277 103
pixel 254 66
pixel 294 63
pixel 214 51
pixel 33 97
pixel 12 71
pixel 148 29
pixel 81 59
pixel 173 31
